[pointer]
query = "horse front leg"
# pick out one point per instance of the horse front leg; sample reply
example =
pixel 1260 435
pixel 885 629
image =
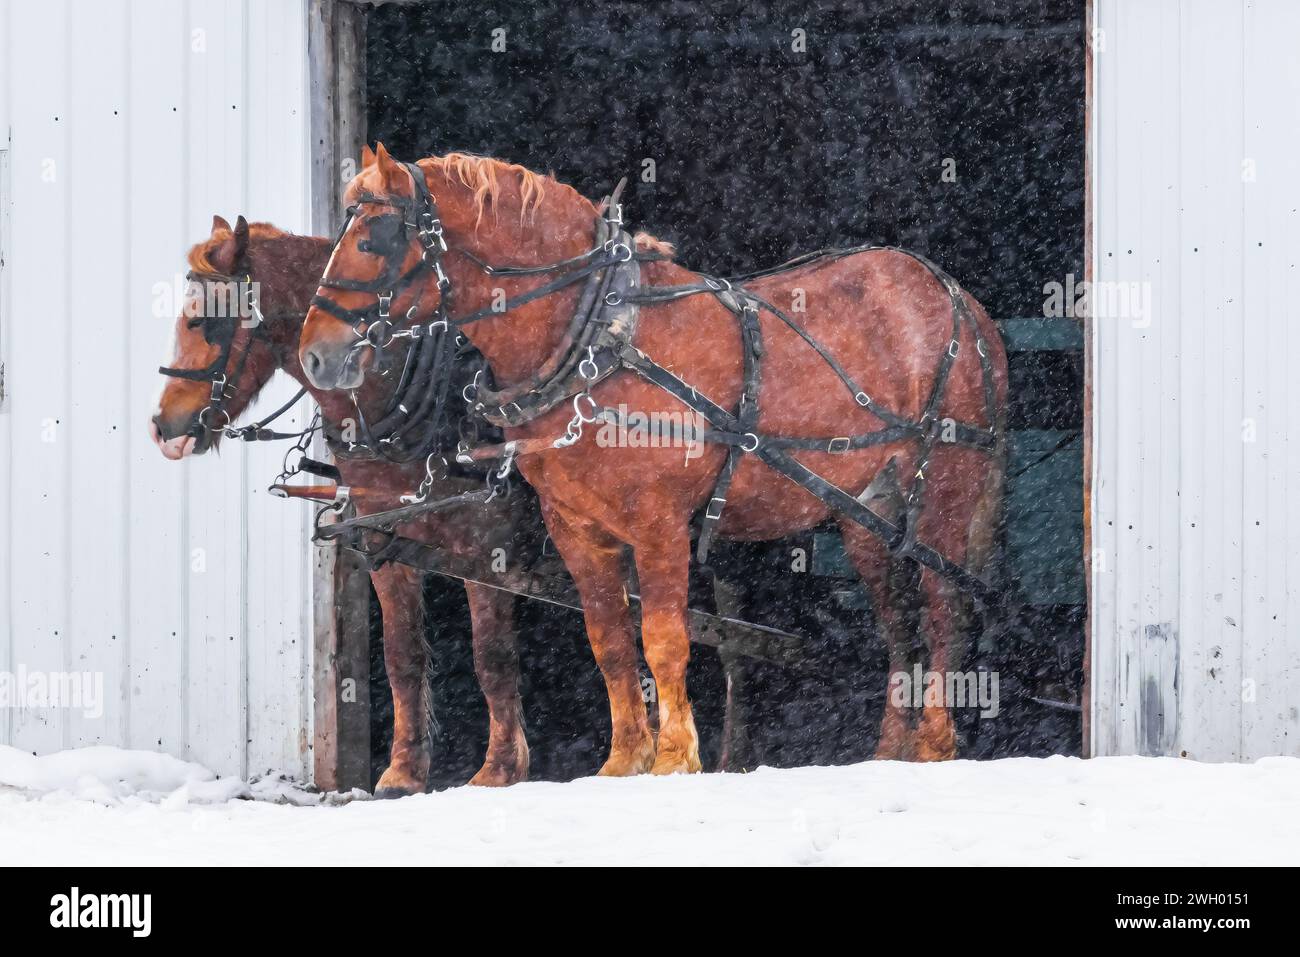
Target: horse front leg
pixel 496 662
pixel 401 599
pixel 663 572
pixel 595 560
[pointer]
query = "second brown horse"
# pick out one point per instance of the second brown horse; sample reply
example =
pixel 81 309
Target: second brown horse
pixel 286 268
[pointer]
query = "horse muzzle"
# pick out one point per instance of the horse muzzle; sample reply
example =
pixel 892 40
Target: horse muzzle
pixel 194 440
pixel 332 367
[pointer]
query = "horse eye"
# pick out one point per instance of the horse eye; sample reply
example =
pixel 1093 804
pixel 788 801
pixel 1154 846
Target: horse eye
pixel 195 322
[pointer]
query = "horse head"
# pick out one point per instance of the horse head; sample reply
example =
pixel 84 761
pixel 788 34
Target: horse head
pixel 418 236
pixel 239 322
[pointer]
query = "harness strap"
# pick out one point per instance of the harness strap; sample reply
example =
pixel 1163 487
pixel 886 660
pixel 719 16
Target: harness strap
pixel 775 456
pixel 746 310
pixel 841 501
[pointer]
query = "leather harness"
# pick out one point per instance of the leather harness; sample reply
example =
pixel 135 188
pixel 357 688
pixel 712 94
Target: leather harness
pixel 599 342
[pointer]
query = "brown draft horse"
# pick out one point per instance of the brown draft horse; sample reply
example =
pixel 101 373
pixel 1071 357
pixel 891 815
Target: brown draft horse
pixel 287 269
pixel 880 313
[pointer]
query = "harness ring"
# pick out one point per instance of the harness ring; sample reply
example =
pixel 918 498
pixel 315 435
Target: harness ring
pixel 577 407
pixel 203 418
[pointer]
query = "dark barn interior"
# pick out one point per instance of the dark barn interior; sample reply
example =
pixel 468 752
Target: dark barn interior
pixel 950 127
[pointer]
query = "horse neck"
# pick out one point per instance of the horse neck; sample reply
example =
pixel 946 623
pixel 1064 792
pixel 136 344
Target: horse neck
pixel 515 343
pixel 291 267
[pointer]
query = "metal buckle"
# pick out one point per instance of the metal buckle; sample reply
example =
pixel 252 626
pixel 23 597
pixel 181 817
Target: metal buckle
pixel 431 225
pixel 953 347
pixel 710 513
pixel 384 303
pixel 863 400
pixel 838 444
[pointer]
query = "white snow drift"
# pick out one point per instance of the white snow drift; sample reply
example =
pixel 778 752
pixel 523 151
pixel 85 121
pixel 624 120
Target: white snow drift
pixel 106 806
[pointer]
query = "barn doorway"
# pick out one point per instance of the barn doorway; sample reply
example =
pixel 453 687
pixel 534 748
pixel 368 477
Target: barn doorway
pixel 955 129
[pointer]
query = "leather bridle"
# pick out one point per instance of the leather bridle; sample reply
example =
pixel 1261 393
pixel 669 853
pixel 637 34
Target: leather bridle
pixel 221 331
pixel 426 372
pixel 390 238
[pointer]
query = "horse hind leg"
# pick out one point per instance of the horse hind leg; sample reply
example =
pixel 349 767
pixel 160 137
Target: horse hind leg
pixel 969 534
pixel 944 624
pixel 893 587
pixel 496 662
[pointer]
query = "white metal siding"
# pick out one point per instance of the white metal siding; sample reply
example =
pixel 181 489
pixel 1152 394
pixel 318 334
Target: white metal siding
pixel 1196 616
pixel 132 122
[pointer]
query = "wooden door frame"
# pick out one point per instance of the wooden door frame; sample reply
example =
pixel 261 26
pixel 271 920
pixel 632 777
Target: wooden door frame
pixel 336 57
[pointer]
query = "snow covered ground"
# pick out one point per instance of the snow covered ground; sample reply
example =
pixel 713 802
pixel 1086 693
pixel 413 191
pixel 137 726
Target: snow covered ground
pixel 107 806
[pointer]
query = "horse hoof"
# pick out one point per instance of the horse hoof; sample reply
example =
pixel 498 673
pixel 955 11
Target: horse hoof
pixel 675 762
pixel 499 774
pixel 623 765
pixel 942 747
pixel 391 794
pixel 393 784
pixel 925 753
pixel 889 751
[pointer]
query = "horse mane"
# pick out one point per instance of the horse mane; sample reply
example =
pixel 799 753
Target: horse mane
pixel 483 175
pixel 651 244
pixel 200 259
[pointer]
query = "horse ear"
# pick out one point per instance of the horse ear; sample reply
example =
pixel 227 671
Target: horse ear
pixel 219 225
pixel 367 156
pixel 241 237
pixel 390 174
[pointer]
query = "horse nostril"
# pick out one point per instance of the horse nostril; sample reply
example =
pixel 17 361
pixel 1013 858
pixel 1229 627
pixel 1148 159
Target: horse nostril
pixel 156 427
pixel 313 363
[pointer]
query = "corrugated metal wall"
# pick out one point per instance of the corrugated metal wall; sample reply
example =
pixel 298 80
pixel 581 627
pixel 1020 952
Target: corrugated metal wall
pixel 1196 176
pixel 132 122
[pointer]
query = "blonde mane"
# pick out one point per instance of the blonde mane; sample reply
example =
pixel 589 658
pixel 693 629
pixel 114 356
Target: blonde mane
pixel 200 257
pixel 481 174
